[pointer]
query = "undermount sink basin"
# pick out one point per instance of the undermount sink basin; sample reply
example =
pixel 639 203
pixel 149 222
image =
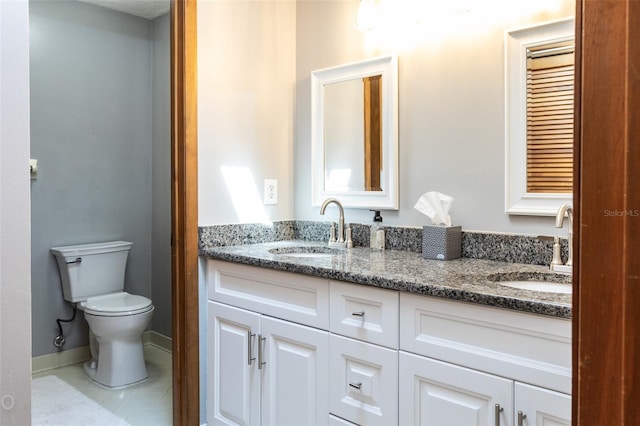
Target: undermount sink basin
pixel 319 255
pixel 307 252
pixel 544 286
pixel 543 282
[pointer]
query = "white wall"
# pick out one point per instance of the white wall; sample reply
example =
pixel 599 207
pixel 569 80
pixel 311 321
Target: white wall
pixel 451 93
pixel 15 275
pixel 246 70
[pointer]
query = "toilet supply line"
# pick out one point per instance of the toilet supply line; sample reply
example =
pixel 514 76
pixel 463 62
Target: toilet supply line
pixel 59 341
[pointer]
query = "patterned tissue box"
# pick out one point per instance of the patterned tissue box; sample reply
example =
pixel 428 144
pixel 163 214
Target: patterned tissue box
pixel 441 242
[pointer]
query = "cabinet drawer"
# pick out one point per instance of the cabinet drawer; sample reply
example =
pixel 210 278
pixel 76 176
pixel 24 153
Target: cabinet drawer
pixel 285 295
pixel 531 348
pixel 364 313
pixel 363 382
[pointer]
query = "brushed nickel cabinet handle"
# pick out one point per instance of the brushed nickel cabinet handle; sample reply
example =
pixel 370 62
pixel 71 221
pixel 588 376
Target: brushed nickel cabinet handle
pixel 498 410
pixel 355 385
pixel 358 314
pixel 521 417
pixel 250 357
pixel 261 361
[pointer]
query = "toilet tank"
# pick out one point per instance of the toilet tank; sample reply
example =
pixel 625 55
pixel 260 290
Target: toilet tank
pixel 90 270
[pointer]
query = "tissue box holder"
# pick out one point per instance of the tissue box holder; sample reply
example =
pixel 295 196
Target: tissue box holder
pixel 441 242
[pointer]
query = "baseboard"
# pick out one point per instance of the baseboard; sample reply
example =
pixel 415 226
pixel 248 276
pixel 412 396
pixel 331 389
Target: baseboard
pixel 60 359
pixel 81 354
pixel 158 340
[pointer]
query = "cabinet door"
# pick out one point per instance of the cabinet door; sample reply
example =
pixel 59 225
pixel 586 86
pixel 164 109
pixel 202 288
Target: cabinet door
pixel 541 406
pixel 294 377
pixel 363 382
pixel 437 393
pixel 233 382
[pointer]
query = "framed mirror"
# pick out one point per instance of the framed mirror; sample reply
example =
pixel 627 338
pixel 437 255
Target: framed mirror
pixel 539 67
pixel 354 134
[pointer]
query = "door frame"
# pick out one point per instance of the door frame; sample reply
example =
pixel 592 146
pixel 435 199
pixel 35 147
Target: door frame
pixel 607 146
pixel 606 300
pixel 184 213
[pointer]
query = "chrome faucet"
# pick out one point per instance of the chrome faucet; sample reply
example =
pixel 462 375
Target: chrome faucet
pixel 344 236
pixel 556 263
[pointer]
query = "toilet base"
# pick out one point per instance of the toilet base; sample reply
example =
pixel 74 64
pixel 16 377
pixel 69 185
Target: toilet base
pixel 90 368
pixel 117 356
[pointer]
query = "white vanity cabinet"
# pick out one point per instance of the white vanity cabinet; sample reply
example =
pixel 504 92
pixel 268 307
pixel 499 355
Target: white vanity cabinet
pixel 437 393
pixel 286 348
pixel 261 369
pixel 469 362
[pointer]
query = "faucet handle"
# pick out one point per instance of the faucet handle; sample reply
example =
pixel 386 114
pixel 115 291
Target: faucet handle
pixel 332 233
pixel 557 257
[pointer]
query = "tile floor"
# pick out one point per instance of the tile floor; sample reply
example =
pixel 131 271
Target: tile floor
pixel 147 403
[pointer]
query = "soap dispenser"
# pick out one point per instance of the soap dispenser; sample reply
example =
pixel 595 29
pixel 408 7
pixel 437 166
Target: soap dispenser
pixel 377 232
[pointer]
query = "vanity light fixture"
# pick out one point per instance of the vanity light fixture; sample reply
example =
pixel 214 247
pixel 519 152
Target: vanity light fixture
pixel 367 15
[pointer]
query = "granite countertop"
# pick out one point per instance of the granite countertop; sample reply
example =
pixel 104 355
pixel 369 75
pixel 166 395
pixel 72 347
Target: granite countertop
pixel 467 280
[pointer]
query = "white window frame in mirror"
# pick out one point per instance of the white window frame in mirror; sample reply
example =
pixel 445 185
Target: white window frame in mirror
pixel 387 199
pixel 517 200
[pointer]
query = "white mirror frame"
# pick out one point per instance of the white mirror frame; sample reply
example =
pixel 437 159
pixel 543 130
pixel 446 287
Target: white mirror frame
pixel 517 200
pixel 387 199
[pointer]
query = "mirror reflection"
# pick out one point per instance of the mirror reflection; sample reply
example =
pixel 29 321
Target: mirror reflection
pixel 352 135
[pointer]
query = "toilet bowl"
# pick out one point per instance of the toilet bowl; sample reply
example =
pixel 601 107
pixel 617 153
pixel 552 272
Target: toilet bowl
pixel 116 322
pixel 93 277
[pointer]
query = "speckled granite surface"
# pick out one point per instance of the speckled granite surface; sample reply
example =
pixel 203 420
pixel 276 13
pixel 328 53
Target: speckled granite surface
pixel 244 233
pixel 510 248
pixel 468 280
pixel 475 245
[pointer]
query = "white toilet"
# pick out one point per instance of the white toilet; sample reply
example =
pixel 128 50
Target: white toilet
pixel 93 276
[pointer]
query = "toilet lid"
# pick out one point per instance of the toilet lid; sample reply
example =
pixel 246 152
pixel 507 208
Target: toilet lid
pixel 117 304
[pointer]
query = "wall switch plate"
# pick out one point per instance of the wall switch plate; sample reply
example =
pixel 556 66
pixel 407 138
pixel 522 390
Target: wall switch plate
pixel 271 191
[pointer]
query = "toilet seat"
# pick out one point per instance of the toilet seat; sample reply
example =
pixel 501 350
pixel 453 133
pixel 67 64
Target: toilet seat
pixel 117 305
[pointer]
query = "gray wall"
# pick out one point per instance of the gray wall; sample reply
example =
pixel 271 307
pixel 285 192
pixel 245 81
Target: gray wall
pixel 451 102
pixel 92 133
pixel 161 178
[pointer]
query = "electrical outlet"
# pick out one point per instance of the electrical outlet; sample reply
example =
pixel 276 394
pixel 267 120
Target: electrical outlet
pixel 271 191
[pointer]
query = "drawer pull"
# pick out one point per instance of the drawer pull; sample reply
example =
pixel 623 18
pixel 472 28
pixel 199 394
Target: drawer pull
pixel 358 314
pixel 521 417
pixel 356 385
pixel 250 357
pixel 498 410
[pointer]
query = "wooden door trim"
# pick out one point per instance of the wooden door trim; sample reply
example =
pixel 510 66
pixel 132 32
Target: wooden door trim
pixel 607 200
pixel 184 213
